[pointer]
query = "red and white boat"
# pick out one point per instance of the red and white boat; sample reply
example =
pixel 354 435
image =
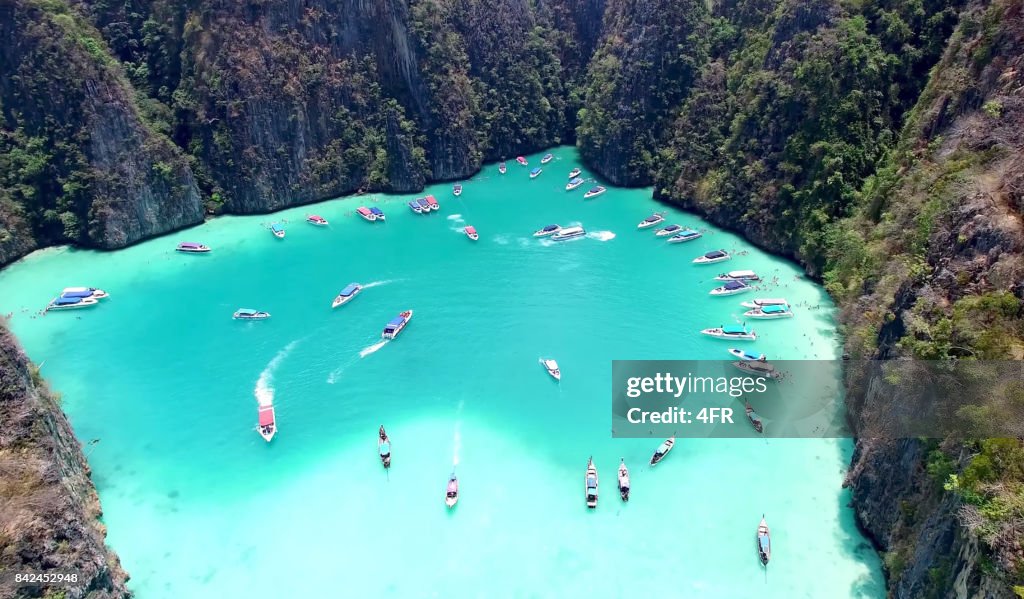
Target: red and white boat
pixel 471 233
pixel 364 212
pixel 268 423
pixel 315 219
pixel 451 496
pixel 522 160
pixel 432 202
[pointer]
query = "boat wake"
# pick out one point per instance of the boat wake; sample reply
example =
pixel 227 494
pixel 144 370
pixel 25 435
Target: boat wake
pixel 501 239
pixel 456 218
pixel 457 439
pixel 377 283
pixel 373 348
pixel 264 390
pixel 601 235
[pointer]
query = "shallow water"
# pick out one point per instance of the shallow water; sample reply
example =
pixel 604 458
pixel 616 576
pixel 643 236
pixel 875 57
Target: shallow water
pixel 198 505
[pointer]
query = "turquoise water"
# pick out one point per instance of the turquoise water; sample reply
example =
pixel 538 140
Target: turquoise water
pixel 198 505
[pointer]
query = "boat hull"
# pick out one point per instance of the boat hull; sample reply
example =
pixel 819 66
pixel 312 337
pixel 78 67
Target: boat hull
pixel 675 239
pixel 341 301
pixel 570 187
pixel 589 194
pixel 760 303
pixel 718 334
pixel 666 232
pixel 704 260
pixel 648 225
pixel 543 233
pixel 203 250
pixel 722 291
pixel 85 303
pixel 367 217
pixel 755 313
pixel 260 316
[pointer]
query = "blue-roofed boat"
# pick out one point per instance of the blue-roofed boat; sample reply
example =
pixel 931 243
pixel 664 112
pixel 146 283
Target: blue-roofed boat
pixel 423 204
pixel 594 192
pixel 769 312
pixel 573 184
pixel 415 207
pixel 738 332
pixel 755 420
pixel 764 542
pixel 71 303
pixel 190 247
pixel 731 288
pixel 567 233
pixel 536 171
pixel 574 173
pixel 84 292
pixel 662 451
pixel 546 231
pixel 669 230
pixel 278 230
pixel 745 355
pixel 547 158
pixel 738 275
pixel 591 483
pixel 346 294
pixel 713 257
pixel 684 236
pixel 396 324
pixel 651 220
pixel 250 314
pixel 378 213
pixel 457 189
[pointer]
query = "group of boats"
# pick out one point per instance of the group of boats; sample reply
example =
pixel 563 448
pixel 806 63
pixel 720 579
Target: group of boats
pixel 73 298
pixel 426 204
pixel 673 233
pixel 371 214
pixel 591 480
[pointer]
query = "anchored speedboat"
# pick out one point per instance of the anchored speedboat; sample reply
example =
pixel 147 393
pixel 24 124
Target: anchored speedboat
pixel 623 480
pixel 574 173
pixel 552 367
pixel 713 257
pixel 769 312
pixel 573 184
pixel 669 230
pixel 731 288
pixel 471 233
pixel 547 158
pixel 761 302
pixel 84 292
pixel 316 219
pixel 536 171
pixel 432 202
pixel 594 192
pixel 384 447
pixel 662 451
pixel 377 212
pixel 502 168
pixel 424 205
pixel 250 314
pixel 738 275
pixel 738 332
pixel 415 207
pixel 684 236
pixel 651 220
pixel 71 303
pixel 364 212
pixel 278 230
pixel 591 483
pixel 457 189
pixel 521 160
pixel 189 247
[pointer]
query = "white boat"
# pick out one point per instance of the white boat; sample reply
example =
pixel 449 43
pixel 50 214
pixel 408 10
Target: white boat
pixel 552 367
pixel 250 314
pixel 623 480
pixel 278 230
pixel 769 312
pixel 415 207
pixel 573 184
pixel 364 212
pixel 502 168
pixel 451 495
pixel 651 220
pixel 190 247
pixel 384 447
pixel 663 450
pixel 471 233
pixel 457 189
pixel 669 230
pixel 731 332
pixel 731 288
pixel 424 205
pixel 84 292
pixel 71 303
pixel 745 355
pixel 762 301
pixel 396 324
pixel 267 422
pixel 350 291
pixel 757 368
pixel 377 212
pixel 738 275
pixel 574 173
pixel 315 219
pixel 684 236
pixel 712 257
pixel 432 203
pixel 591 483
pixel 535 172
pixel 764 542
pixel 568 233
pixel 548 230
pixel 594 192
pixel 547 158
pixel 755 420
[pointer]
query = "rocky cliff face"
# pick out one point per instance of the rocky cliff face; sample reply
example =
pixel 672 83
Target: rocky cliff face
pixel 49 511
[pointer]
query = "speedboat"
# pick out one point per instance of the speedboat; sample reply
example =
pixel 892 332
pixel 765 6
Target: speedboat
pixel 574 173
pixel 758 369
pixel 377 212
pixel 315 219
pixel 731 332
pixel 591 483
pixel 662 451
pixel 669 230
pixel 451 496
pixel 424 205
pixel 764 542
pixel 364 212
pixel 432 202
pixel 521 160
pixel 250 314
pixel 769 312
pixel 84 292
pixel 683 236
pixel 568 233
pixel 623 480
pixel 552 367
pixel 267 422
pixel 278 230
pixel 762 302
pixel 754 419
pixel 547 158
pixel 396 324
pixel 415 207
pixel 651 220
pixel 573 184
pixel 71 303
pixel 594 192
pixel 745 355
pixel 471 233
pixel 536 171
pixel 738 275
pixel 712 257
pixel 548 230
pixel 189 247
pixel 384 447
pixel 346 294
pixel 457 189
pixel 502 168
pixel 731 288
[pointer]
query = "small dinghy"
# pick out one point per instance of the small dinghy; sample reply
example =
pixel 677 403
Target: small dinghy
pixel 189 247
pixel 712 257
pixel 364 212
pixel 745 355
pixel 457 189
pixel 521 160
pixel 731 332
pixel 731 288
pixel 384 447
pixel 347 294
pixel 684 236
pixel 377 212
pixel 278 230
pixel 432 202
pixel 574 173
pixel 762 302
pixel 502 168
pixel 623 480
pixel 755 420
pixel 591 483
pixel 84 292
pixel 547 158
pixel 424 205
pixel 451 496
pixel 71 303
pixel 552 367
pixel 250 314
pixel 267 422
pixel 738 275
pixel 769 312
pixel 415 207
pixel 396 325
pixel 316 219
pixel 573 184
pixel 663 450
pixel 536 171
pixel 594 192
pixel 651 220
pixel 548 230
pixel 669 230
pixel 764 542
pixel 471 233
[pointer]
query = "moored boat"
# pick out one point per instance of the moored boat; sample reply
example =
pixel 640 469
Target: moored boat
pixel 764 301
pixel 769 312
pixel 267 422
pixel 568 233
pixel 536 171
pixel 502 168
pixel 190 247
pixel 547 158
pixel 451 496
pixel 278 230
pixel 745 355
pixel 731 332
pixel 396 325
pixel 471 232
pixel 552 367
pixel 738 275
pixel 669 230
pixel 764 542
pixel 758 368
pixel 623 480
pixel 71 303
pixel 377 212
pixel 548 230
pixel 651 220
pixel 432 202
pixel 755 420
pixel 346 294
pixel 384 447
pixel 573 184
pixel 364 212
pixel 250 314
pixel 662 451
pixel 415 207
pixel 574 173
pixel 316 219
pixel 457 189
pixel 424 205
pixel 594 192
pixel 713 257
pixel 591 483
pixel 521 160
pixel 731 288
pixel 684 236
pixel 84 292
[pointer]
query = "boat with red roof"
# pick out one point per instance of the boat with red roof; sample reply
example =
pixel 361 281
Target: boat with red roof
pixel 432 202
pixel 521 160
pixel 471 233
pixel 268 422
pixel 364 212
pixel 316 219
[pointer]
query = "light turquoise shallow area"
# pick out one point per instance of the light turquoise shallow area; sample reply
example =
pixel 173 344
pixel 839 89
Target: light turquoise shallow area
pixel 198 505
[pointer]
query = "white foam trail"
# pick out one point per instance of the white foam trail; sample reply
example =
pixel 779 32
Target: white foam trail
pixel 456 217
pixel 371 349
pixel 377 283
pixel 264 390
pixel 457 441
pixel 601 235
pixel 501 239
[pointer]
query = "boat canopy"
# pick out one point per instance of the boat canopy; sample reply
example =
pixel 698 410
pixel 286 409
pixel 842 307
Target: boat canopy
pixel 276 227
pixel 350 289
pixel 688 233
pixel 385 448
pixel 190 245
pixel 767 301
pixel 774 309
pixel 575 180
pixel 376 211
pixel 764 543
pixel 266 415
pixel 396 321
pixel 363 210
pixel 551 228
pixel 731 285
pixel 66 301
pixel 596 189
pixel 733 329
pixel 591 482
pixel 78 293
pixel 247 312
pixel 535 170
pixel 742 274
pixel 715 254
pixel 432 199
pixel 422 202
pixel 672 228
pixel 653 218
pixel 471 230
